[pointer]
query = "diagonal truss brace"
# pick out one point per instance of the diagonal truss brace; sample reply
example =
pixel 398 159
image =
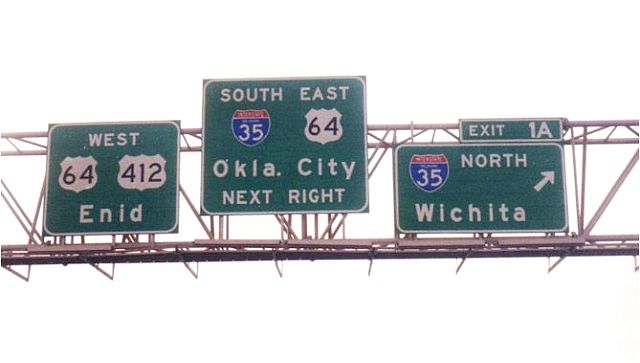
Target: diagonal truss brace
pixel 551 266
pixel 28 275
pixel 26 223
pixel 190 269
pixel 614 189
pixel 279 265
pixel 464 259
pixel 102 271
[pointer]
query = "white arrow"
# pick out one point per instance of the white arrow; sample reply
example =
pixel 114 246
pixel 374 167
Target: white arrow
pixel 547 177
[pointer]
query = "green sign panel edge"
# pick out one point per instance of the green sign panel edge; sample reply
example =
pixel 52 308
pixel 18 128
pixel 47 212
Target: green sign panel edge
pixel 365 205
pixel 172 229
pixel 487 230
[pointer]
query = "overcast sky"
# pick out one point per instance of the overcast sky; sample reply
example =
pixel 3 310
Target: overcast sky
pixel 432 62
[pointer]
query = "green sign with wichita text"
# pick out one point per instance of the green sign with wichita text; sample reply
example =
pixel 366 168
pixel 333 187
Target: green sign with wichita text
pixel 480 188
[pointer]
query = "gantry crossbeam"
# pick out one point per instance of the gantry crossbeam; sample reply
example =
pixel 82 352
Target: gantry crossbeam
pixel 322 237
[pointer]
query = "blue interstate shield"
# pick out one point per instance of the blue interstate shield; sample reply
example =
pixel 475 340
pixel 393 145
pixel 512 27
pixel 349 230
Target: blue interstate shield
pixel 429 172
pixel 250 127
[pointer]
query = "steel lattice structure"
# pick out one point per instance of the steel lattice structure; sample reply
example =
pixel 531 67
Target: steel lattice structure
pixel 319 237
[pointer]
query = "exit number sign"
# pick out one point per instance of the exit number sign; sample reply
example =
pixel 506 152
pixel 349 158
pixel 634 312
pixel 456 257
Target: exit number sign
pixel 511 130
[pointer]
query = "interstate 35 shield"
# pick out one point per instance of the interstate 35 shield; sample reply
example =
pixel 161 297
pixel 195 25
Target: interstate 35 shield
pixel 429 172
pixel 250 127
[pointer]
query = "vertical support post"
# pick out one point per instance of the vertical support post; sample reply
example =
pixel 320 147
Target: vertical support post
pixel 584 181
pixel 411 129
pixel 396 233
pixel 226 231
pixel 344 226
pixel 575 180
pixel 213 227
pixel 303 220
pixel 316 223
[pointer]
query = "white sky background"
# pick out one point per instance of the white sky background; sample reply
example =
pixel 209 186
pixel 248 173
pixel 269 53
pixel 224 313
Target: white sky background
pixel 432 63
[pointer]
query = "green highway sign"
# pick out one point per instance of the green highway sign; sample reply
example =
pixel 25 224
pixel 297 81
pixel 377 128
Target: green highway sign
pixel 112 178
pixel 480 188
pixel 511 130
pixel 284 146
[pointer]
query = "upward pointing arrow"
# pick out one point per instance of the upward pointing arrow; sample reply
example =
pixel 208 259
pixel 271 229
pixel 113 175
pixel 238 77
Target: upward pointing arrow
pixel 547 177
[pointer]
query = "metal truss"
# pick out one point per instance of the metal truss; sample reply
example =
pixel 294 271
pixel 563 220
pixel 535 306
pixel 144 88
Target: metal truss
pixel 323 236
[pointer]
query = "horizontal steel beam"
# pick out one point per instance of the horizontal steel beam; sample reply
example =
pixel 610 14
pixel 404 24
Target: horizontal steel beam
pixel 311 255
pixel 197 133
pixel 256 250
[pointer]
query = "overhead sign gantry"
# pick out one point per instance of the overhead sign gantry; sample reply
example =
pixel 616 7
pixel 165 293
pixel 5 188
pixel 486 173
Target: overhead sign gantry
pixel 121 178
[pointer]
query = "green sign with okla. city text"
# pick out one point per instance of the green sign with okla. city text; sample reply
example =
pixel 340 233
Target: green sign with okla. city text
pixel 112 178
pixel 284 146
